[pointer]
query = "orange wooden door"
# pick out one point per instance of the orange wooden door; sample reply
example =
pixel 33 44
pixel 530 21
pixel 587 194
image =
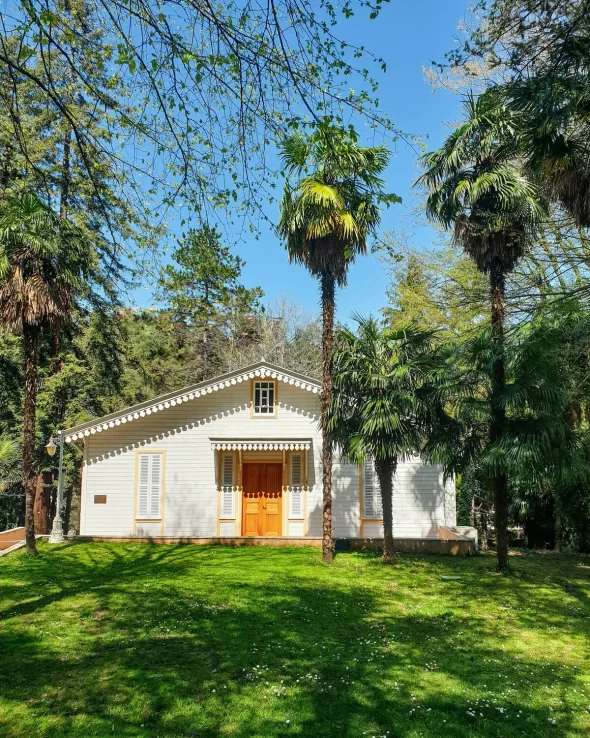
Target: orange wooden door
pixel 262 504
pixel 272 501
pixel 252 494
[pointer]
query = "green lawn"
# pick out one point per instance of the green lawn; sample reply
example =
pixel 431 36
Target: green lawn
pixel 138 640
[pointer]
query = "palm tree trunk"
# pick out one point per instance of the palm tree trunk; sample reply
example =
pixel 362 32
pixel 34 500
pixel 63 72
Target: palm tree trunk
pixel 498 412
pixel 385 470
pixel 328 289
pixel 30 343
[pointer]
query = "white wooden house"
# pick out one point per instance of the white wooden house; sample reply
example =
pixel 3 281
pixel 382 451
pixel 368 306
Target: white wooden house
pixel 239 456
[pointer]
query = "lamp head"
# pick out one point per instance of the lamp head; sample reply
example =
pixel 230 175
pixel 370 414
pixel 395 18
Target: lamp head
pixel 51 446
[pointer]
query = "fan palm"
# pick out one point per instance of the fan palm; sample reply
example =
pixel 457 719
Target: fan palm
pixel 377 411
pixel 326 217
pixel 44 261
pixel 551 101
pixel 478 189
pixel 536 440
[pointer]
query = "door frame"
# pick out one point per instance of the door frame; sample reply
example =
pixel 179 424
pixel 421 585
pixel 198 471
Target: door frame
pixel 260 462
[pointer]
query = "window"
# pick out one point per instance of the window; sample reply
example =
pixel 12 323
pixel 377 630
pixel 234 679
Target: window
pixel 149 493
pixel 296 487
pixel 227 486
pixel 372 506
pixel 264 398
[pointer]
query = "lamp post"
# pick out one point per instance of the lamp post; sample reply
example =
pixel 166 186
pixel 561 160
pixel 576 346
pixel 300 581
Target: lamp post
pixel 57 530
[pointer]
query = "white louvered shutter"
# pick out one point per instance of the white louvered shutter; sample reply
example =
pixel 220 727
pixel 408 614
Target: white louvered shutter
pixel 372 507
pixel 144 486
pixel 227 486
pixel 155 485
pixel 296 491
pixel 150 486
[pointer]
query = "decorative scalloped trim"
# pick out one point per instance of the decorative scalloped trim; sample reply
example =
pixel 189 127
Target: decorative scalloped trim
pixel 261 445
pixel 187 396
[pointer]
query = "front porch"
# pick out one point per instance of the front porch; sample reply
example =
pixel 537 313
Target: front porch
pixel 262 486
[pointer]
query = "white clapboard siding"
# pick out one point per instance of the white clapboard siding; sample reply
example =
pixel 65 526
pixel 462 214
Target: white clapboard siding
pixel 145 529
pixel 372 507
pixel 184 432
pixel 227 486
pixel 191 487
pixel 296 487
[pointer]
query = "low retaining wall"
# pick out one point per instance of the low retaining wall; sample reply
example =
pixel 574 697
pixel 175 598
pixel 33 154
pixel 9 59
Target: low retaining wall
pixel 445 546
pixel 449 546
pixel 236 541
pixel 9 537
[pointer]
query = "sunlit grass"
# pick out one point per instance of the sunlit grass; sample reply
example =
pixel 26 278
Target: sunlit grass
pixel 138 640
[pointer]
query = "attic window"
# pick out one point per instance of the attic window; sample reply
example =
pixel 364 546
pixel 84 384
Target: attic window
pixel 264 398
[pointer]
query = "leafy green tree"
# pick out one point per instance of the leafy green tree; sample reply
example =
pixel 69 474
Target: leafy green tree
pixel 378 410
pixel 327 215
pixel 193 94
pixel 439 290
pixel 44 264
pixel 203 290
pixel 477 189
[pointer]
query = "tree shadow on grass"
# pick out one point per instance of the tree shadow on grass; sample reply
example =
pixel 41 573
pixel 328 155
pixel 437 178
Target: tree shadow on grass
pixel 180 641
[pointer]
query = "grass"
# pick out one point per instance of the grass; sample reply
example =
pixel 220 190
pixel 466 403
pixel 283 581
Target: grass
pixel 140 640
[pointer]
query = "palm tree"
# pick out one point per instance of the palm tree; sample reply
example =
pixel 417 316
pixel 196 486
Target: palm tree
pixel 538 447
pixel 326 218
pixel 551 103
pixel 478 189
pixel 377 411
pixel 44 261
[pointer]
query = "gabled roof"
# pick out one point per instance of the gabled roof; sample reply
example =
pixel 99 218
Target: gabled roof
pixel 188 394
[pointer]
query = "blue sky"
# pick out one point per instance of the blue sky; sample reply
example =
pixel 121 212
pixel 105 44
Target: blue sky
pixel 408 35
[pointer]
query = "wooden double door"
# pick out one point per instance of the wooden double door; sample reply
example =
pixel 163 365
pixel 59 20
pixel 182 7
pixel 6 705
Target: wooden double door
pixel 262 503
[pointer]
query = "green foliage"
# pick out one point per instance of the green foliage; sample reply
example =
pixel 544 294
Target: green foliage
pixel 377 409
pixel 189 97
pixel 8 463
pixel 204 284
pixel 533 398
pixel 477 189
pixel 333 207
pixel 203 291
pixel 45 262
pixel 543 50
pixel 439 290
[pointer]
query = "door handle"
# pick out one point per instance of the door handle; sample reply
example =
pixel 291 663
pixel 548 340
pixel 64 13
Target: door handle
pixel 264 507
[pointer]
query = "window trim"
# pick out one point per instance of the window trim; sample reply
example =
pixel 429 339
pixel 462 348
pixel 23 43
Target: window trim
pixel 160 519
pixel 253 413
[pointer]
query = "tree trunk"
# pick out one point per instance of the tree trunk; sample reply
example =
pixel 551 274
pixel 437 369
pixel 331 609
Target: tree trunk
pixel 328 289
pixel 30 343
pixel 385 470
pixel 43 501
pixel 65 176
pixel 75 501
pixel 558 528
pixel 499 481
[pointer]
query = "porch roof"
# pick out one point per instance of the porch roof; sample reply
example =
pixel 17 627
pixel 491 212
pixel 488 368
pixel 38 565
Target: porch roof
pixel 253 444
